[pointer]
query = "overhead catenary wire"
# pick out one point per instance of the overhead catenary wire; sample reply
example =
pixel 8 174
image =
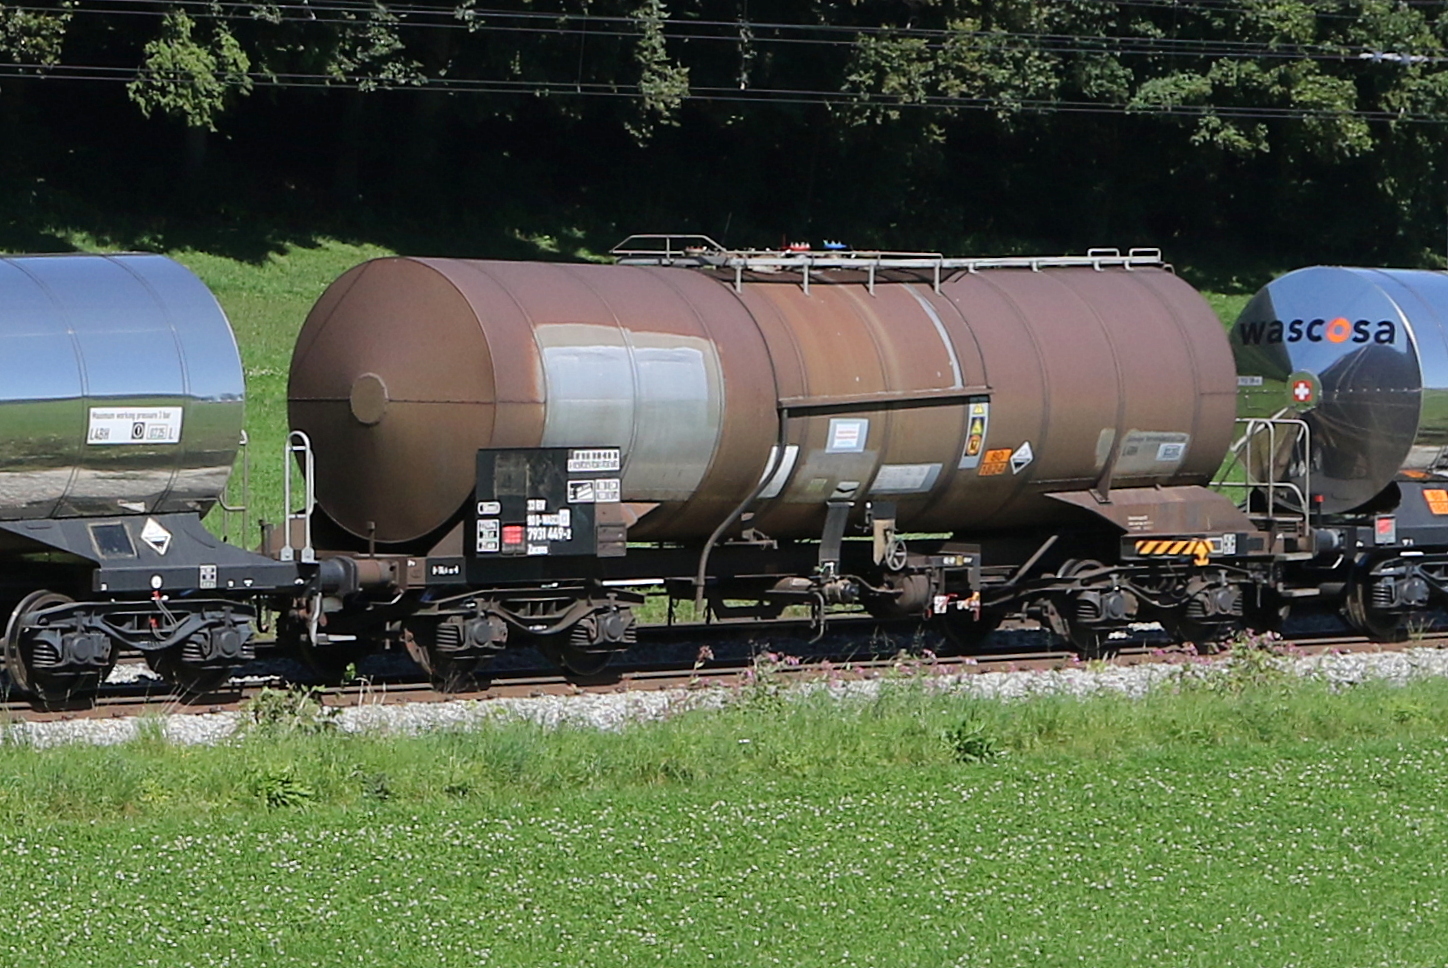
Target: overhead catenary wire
pixel 687 29
pixel 342 13
pixel 780 96
pixel 988 40
pixel 463 11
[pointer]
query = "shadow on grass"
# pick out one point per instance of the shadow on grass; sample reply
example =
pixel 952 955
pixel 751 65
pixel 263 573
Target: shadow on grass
pixel 1240 278
pixel 36 217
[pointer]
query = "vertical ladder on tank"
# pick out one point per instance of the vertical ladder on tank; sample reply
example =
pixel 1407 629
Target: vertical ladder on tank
pixel 299 445
pixel 230 511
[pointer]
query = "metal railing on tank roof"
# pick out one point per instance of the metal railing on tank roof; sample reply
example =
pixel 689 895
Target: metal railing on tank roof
pixel 702 252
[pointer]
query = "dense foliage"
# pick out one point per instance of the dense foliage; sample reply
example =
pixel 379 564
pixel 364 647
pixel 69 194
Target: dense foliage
pixel 1279 128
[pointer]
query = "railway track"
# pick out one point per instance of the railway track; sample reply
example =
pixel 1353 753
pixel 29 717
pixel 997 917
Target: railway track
pixel 148 696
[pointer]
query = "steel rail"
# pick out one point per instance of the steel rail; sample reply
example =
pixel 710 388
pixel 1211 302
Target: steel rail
pixel 154 697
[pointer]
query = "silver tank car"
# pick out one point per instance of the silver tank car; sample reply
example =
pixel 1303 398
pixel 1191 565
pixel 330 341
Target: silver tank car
pixel 1361 356
pixel 121 389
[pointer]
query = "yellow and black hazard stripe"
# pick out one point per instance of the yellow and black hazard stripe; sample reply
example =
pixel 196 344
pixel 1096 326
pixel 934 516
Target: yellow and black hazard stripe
pixel 1200 549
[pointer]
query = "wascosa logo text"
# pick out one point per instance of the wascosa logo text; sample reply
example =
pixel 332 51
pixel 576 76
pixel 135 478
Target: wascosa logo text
pixel 1339 330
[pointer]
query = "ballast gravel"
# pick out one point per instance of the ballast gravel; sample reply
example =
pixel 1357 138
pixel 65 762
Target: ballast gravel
pixel 616 710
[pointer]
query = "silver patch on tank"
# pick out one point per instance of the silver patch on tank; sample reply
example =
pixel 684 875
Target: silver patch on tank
pixel 822 474
pixel 905 478
pixel 659 396
pixel 1104 440
pixel 1149 453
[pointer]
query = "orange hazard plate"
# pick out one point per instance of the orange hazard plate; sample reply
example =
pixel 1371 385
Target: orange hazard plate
pixel 1437 499
pixel 995 462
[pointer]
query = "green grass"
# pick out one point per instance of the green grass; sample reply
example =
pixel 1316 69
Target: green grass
pixel 760 737
pixel 1248 821
pixel 1228 306
pixel 1330 857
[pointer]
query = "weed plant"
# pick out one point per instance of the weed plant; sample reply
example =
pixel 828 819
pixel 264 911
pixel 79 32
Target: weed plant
pixel 295 710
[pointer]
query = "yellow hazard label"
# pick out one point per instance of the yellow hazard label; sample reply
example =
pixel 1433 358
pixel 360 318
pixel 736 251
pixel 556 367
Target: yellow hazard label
pixel 995 462
pixel 976 438
pixel 1200 549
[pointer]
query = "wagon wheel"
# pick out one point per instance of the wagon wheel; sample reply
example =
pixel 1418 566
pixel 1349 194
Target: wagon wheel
pixel 1375 624
pixel 1087 640
pixel 580 662
pixel 448 673
pixel 190 681
pixel 20 655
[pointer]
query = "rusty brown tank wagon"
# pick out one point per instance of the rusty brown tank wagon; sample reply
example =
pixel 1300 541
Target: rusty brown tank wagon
pixel 965 404
pixel 729 423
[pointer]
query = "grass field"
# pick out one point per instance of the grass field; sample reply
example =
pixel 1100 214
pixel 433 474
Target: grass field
pixel 1228 306
pixel 1254 823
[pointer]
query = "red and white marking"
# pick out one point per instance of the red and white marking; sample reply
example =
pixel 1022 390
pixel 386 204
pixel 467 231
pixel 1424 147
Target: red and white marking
pixel 1302 391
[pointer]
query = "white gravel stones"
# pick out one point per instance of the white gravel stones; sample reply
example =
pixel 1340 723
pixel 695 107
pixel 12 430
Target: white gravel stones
pixel 181 728
pixel 616 710
pixel 125 672
pixel 1395 667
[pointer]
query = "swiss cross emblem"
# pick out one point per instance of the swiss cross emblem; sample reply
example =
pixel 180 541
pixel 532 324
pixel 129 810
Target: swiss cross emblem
pixel 1302 391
